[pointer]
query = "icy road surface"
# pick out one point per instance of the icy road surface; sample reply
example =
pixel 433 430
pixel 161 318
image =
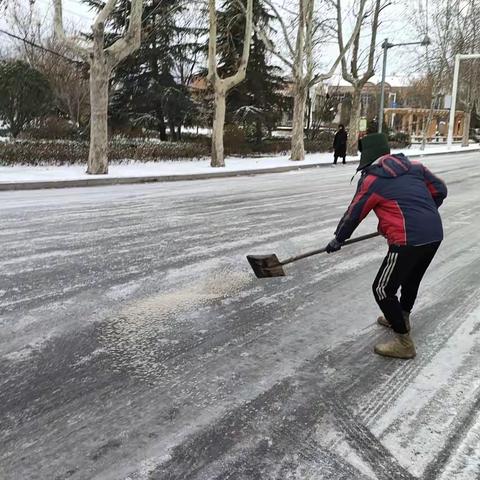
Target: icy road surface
pixel 136 344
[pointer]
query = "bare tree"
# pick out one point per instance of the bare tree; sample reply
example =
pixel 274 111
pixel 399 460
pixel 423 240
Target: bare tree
pixel 468 42
pixel 191 31
pixel 302 71
pixel 69 83
pixel 221 86
pixel 300 59
pixel 452 25
pixel 437 23
pixel 353 74
pixel 26 23
pixel 102 61
pixel 67 79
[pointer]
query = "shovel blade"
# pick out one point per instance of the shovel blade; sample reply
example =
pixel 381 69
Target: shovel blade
pixel 266 265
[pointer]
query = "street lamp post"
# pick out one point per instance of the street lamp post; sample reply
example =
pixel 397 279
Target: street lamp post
pixel 386 45
pixel 453 106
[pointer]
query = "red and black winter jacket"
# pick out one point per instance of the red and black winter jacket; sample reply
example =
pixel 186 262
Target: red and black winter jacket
pixel 404 195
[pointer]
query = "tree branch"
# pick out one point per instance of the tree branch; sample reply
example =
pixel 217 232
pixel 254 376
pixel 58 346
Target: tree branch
pixel 354 59
pixel 358 25
pixel 212 42
pixel 309 33
pixel 345 74
pixel 266 41
pixel 373 41
pixel 105 12
pixel 282 26
pixel 300 42
pixel 130 42
pixel 247 41
pixel 59 32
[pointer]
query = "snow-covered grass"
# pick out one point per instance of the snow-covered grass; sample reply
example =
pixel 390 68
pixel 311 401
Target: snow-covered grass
pixel 19 174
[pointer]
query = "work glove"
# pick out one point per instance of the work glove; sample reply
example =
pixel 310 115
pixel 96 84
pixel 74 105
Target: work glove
pixel 333 246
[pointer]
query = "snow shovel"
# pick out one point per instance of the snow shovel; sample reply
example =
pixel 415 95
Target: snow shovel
pixel 270 266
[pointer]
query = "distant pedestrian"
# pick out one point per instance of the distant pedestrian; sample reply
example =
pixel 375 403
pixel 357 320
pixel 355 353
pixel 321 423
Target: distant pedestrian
pixel 405 196
pixel 340 144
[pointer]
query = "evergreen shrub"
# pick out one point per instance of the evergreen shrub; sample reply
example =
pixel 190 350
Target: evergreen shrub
pixel 50 128
pixel 69 152
pixel 399 140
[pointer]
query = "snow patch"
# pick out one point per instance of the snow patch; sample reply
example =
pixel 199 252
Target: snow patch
pixel 442 388
pixel 17 174
pixel 120 292
pixel 88 358
pixel 147 467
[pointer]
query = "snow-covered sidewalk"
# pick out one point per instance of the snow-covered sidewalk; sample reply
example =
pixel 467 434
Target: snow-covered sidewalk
pixel 189 169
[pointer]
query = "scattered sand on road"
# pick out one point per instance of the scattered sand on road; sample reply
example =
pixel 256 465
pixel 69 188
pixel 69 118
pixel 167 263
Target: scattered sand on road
pixel 142 334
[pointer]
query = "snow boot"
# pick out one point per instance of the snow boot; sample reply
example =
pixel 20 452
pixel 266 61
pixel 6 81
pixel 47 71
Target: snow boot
pixel 384 322
pixel 401 346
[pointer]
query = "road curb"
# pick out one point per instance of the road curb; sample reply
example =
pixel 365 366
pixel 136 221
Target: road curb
pixel 98 182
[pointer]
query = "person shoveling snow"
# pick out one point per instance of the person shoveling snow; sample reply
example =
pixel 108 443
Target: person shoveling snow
pixel 405 196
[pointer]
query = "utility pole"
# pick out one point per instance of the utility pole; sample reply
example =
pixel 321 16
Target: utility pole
pixel 386 45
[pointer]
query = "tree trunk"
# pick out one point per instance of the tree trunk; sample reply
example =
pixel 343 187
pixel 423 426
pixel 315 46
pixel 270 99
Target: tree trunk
pixel 466 126
pixel 298 124
pixel 161 127
pixel 353 126
pixel 179 133
pixel 426 126
pixel 173 133
pixel 258 132
pixel 102 61
pixel 73 112
pixel 218 158
pixel 98 155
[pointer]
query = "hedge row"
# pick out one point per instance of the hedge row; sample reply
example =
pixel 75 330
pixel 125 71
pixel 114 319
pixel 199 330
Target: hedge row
pixel 70 152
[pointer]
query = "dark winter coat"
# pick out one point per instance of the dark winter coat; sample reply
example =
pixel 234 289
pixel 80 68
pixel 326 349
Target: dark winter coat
pixel 340 143
pixel 404 195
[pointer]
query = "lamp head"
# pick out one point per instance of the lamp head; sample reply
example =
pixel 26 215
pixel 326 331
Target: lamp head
pixel 426 41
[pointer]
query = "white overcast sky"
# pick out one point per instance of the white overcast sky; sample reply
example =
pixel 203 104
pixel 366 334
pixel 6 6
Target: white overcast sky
pixel 397 25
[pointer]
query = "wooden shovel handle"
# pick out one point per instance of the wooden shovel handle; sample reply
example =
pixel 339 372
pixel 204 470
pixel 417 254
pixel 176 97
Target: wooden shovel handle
pixel 323 250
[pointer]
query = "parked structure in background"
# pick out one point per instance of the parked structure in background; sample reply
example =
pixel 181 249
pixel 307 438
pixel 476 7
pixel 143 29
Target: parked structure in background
pixel 396 93
pixel 405 111
pixel 413 120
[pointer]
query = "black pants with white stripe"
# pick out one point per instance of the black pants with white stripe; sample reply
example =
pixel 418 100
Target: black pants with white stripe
pixel 404 267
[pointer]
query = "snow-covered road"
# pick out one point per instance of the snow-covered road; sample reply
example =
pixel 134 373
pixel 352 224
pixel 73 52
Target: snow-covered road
pixel 136 344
